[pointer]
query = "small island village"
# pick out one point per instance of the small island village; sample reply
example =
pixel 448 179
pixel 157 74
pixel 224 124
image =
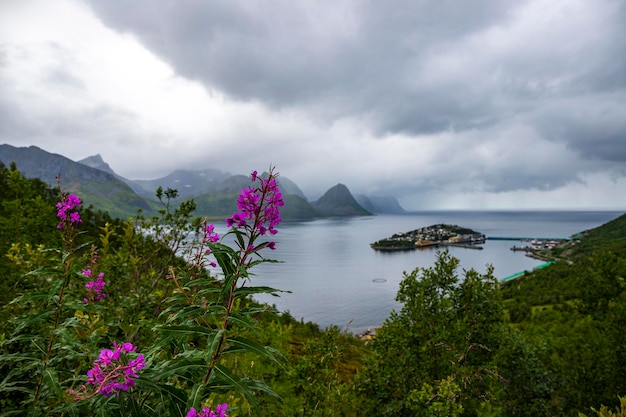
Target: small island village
pixel 452 235
pixel 435 235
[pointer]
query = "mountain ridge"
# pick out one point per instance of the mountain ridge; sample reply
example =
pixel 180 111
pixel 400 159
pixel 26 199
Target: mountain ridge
pixel 98 188
pixel 380 204
pixel 215 192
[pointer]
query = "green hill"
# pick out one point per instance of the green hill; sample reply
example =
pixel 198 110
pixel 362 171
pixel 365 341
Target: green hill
pixel 610 236
pixel 99 188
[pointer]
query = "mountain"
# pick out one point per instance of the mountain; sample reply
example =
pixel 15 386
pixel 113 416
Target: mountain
pixel 192 183
pixel 103 190
pixel 189 183
pixel 96 161
pixel 215 192
pixel 221 200
pixel 288 187
pixel 338 201
pixel 297 208
pixel 380 204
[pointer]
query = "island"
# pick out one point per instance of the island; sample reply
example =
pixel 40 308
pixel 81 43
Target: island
pixel 427 237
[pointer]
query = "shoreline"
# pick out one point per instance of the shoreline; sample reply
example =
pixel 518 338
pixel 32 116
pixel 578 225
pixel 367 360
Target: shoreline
pixel 418 247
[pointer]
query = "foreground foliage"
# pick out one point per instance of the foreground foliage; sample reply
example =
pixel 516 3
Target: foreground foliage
pixel 154 317
pixel 165 329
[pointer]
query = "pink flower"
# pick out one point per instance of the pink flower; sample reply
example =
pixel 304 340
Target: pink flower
pixel 112 372
pixel 260 205
pixel 94 288
pixel 210 235
pixel 107 356
pixel 67 204
pixel 220 411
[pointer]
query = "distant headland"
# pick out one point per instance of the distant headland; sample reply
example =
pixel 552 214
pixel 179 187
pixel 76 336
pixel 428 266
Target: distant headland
pixel 435 235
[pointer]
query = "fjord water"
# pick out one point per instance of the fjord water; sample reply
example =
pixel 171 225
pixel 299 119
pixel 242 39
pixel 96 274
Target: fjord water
pixel 335 278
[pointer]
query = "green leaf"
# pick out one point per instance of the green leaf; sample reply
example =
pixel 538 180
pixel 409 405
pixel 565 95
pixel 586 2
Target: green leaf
pixel 256 310
pixel 44 271
pixel 215 343
pixel 178 368
pixel 261 386
pixel 243 321
pixel 52 380
pixel 173 393
pixel 246 291
pixel 240 238
pixel 195 397
pixel 252 346
pixel 224 374
pixel 225 256
pixel 182 330
pixel 32 319
pixel 206 283
pixel 34 296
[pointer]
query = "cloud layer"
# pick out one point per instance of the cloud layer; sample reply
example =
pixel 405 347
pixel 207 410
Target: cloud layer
pixel 493 104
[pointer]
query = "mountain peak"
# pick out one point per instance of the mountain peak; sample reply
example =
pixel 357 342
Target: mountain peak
pixel 338 201
pixel 96 161
pixel 95 158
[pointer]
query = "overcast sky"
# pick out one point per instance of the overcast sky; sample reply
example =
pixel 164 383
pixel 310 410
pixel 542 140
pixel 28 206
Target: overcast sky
pixel 444 104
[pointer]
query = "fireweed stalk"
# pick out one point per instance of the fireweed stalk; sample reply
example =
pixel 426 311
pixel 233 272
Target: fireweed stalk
pixel 200 308
pixel 69 217
pixel 259 214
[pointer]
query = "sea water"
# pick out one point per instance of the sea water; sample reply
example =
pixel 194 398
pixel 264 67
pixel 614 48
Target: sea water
pixel 334 277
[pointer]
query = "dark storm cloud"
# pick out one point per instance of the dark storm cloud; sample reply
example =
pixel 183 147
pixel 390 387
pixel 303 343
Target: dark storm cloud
pixel 379 60
pixel 288 53
pixel 593 126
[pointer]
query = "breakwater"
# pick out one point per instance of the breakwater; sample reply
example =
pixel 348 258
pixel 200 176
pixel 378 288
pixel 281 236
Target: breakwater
pixel 527 238
pixel 522 273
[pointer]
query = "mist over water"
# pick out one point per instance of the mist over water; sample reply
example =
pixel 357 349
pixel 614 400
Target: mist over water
pixel 335 278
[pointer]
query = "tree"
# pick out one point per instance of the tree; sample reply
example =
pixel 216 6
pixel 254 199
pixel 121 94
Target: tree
pixel 438 354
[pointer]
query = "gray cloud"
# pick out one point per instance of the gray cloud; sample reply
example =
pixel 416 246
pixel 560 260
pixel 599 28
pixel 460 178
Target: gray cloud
pixel 417 67
pixel 405 97
pixel 351 54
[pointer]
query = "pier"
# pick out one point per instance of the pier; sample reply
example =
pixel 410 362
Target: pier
pixel 526 238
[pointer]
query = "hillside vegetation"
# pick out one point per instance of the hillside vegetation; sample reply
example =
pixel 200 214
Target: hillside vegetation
pixel 212 190
pixel 608 237
pixel 548 344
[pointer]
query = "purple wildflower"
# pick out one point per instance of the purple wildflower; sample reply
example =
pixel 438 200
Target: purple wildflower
pixel 94 288
pixel 210 235
pixel 220 411
pixel 65 211
pixel 260 205
pixel 112 372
